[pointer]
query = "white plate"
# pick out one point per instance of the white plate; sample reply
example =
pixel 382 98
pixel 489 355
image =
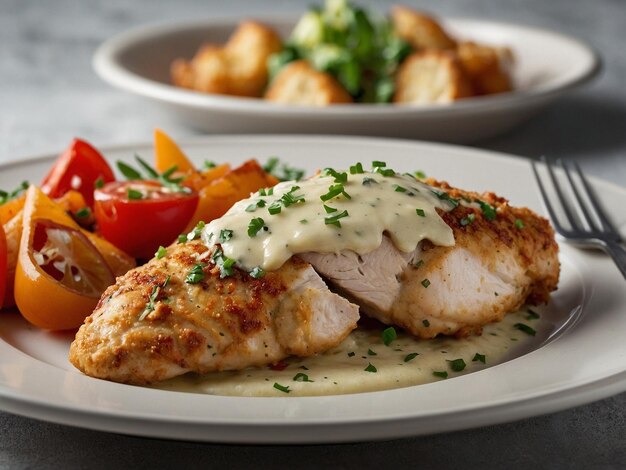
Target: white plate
pixel 548 65
pixel 581 358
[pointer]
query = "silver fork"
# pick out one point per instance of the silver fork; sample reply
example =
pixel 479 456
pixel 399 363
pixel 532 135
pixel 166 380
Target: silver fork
pixel 589 227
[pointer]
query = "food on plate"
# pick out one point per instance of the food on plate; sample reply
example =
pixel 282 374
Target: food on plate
pixel 431 76
pixel 299 83
pixel 60 274
pixel 63 244
pixel 423 256
pixel 342 54
pixel 237 68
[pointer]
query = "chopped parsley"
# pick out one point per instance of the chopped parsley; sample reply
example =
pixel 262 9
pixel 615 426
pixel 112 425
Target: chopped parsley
pixel 426 323
pixel 255 226
pixel 150 307
pixel 488 210
pixel 444 196
pixel 225 235
pixel 356 169
pixel 300 377
pixel 519 223
pixel 208 164
pixel 457 365
pixel 282 171
pixel 196 232
pixel 442 374
pixel 525 328
pixel 410 357
pixel 420 212
pixel 282 388
pixel 370 368
pixel 274 208
pixel 334 219
pixel 182 238
pixel 161 252
pixel 257 272
pixel 196 274
pixel 532 315
pixel 479 358
pixel 426 283
pixel 370 352
pixel 133 194
pixel 252 207
pixel 389 334
pixel 224 263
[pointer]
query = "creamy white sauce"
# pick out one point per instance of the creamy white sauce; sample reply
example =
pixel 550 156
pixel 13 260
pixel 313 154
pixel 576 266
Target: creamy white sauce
pixel 343 369
pixel 377 204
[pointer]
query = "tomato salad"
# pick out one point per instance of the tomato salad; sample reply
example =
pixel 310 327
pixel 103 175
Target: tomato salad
pixel 64 242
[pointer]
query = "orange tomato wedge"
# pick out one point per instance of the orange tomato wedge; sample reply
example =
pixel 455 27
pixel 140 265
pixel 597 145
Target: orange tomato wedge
pixel 3 265
pixel 60 274
pixel 237 184
pixel 168 154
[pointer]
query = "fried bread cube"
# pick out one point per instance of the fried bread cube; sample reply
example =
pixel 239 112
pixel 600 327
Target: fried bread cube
pixel 488 67
pixel 299 83
pixel 238 68
pixel 431 77
pixel 421 31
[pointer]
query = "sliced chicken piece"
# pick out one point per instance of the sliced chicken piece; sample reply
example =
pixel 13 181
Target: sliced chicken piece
pixel 299 83
pixel 494 268
pixel 420 30
pixel 431 77
pixel 153 325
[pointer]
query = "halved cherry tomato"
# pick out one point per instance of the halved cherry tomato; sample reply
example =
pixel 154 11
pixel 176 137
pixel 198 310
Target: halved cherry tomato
pixel 138 216
pixel 78 168
pixel 60 275
pixel 3 265
pixel 38 205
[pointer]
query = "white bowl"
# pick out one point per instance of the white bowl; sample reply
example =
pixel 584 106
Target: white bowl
pixel 547 66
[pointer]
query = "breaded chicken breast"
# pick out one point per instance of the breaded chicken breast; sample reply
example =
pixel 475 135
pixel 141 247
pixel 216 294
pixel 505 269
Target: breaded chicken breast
pixel 177 314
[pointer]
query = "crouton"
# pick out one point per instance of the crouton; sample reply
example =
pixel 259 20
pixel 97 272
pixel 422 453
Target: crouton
pixel 486 66
pixel 431 77
pixel 238 68
pixel 299 83
pixel 421 31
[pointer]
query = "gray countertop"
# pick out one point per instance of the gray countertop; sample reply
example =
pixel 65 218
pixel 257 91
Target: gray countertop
pixel 49 94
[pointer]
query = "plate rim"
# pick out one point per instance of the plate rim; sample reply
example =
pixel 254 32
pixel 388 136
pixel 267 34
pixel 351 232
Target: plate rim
pixel 197 430
pixel 109 70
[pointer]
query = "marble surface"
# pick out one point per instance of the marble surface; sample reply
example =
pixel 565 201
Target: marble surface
pixel 48 94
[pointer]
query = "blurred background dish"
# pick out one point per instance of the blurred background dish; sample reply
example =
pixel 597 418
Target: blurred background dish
pixel 547 65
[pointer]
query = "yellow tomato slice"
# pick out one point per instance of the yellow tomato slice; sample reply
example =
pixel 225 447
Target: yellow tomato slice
pixel 60 275
pixel 168 154
pixel 44 297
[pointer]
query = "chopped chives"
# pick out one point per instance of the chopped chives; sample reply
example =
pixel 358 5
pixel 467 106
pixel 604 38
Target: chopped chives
pixel 370 368
pixel 420 212
pixel 254 226
pixel 410 357
pixel 334 219
pixel 457 365
pixel 525 328
pixel 389 334
pixel 479 358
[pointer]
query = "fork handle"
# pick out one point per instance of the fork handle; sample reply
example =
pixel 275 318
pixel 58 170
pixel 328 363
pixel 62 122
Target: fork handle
pixel 618 253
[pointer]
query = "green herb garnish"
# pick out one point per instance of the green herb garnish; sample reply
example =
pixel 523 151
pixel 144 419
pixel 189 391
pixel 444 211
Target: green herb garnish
pixel 255 226
pixel 334 219
pixel 420 212
pixel 370 368
pixel 479 358
pixel 457 365
pixel 300 377
pixel 488 210
pixel 150 307
pixel 525 328
pixel 161 252
pixel 519 223
pixel 426 283
pixel 410 357
pixel 225 235
pixel 133 194
pixel 389 334
pixel 196 274
pixel 83 213
pixel 282 388
pixel 442 374
pixel 257 272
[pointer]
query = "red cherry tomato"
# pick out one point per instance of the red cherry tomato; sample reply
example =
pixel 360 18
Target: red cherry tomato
pixel 78 168
pixel 138 216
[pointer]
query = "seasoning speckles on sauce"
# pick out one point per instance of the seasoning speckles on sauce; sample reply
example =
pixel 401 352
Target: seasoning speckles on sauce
pixel 348 368
pixel 342 212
